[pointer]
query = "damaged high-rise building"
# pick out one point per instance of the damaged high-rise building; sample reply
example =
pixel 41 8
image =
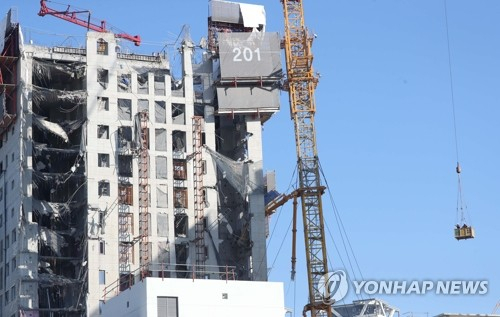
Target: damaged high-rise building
pixel 112 170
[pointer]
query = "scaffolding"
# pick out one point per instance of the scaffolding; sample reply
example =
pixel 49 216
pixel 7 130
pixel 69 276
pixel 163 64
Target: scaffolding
pixel 199 197
pixel 144 256
pixel 125 225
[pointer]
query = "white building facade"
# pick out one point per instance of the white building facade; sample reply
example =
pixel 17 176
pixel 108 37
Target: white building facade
pixel 113 171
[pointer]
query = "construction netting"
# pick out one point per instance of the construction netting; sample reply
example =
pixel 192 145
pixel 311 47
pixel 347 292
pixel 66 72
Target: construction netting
pixel 160 139
pixel 45 71
pixel 161 167
pixel 160 112
pixel 161 196
pixel 125 109
pixel 58 98
pixel 162 221
pixel 235 172
pixel 53 240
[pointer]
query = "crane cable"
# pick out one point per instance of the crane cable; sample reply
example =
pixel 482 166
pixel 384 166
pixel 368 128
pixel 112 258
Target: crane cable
pixel 344 237
pixel 461 206
pixel 279 213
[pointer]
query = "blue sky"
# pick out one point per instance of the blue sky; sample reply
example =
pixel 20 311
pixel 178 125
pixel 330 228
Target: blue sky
pixel 384 130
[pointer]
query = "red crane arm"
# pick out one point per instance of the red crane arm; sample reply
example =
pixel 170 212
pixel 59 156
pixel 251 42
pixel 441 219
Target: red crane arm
pixel 71 16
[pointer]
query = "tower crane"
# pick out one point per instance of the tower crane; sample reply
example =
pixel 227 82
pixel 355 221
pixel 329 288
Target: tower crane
pixel 72 16
pixel 301 84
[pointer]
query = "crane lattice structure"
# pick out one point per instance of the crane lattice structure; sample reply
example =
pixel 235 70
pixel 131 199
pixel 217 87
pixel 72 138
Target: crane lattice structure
pixel 301 86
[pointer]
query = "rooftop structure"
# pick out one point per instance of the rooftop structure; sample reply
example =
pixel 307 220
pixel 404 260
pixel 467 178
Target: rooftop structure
pixel 184 297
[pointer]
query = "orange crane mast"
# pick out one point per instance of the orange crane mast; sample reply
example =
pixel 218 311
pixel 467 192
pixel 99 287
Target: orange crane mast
pixel 301 84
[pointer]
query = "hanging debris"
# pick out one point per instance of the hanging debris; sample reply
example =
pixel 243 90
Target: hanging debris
pixel 51 127
pixel 59 204
pixel 53 240
pixel 236 172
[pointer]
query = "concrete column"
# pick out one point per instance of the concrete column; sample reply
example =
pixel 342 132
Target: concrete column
pixel 256 199
pixel 210 181
pixel 28 235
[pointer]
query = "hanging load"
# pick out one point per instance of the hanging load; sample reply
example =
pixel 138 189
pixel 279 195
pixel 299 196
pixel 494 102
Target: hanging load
pixel 462 230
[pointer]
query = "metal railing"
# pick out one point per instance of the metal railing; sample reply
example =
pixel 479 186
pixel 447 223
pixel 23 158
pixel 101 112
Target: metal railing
pixel 139 57
pixel 69 50
pixel 163 270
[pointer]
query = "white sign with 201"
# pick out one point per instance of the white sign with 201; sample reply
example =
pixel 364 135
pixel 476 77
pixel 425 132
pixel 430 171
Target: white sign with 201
pixel 248 55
